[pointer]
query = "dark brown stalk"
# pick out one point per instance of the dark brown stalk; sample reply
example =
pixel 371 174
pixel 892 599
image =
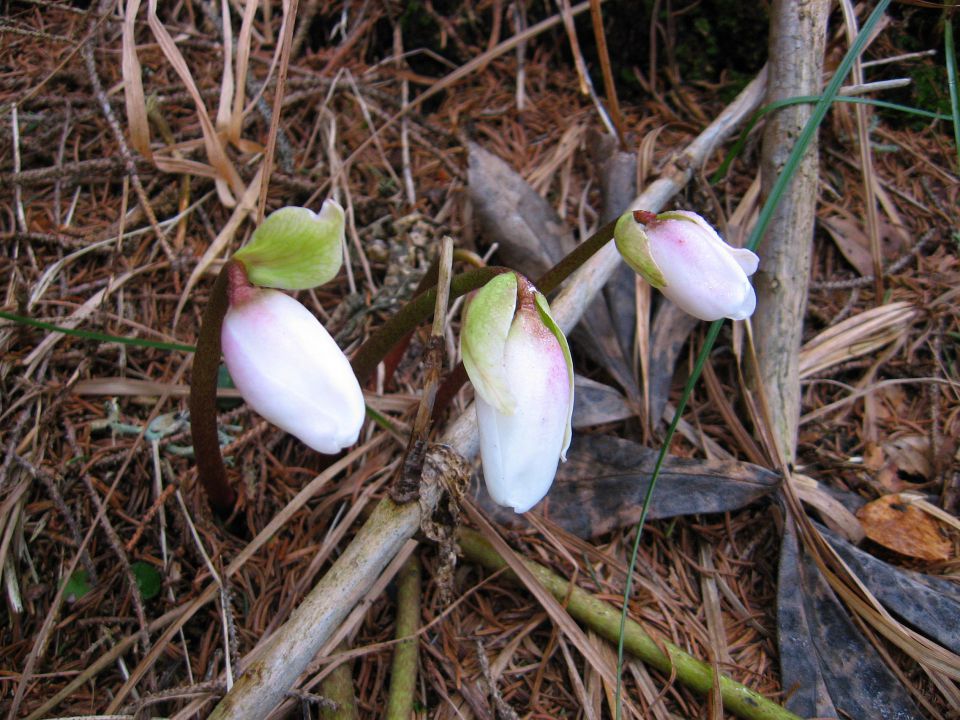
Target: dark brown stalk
pixel 366 359
pixel 551 280
pixel 203 401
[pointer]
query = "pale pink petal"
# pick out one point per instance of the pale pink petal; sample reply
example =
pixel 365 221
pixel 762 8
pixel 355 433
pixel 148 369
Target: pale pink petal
pixel 703 274
pixel 521 450
pixel 289 369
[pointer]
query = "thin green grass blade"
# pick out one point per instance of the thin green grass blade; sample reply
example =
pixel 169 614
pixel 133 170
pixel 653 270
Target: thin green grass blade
pixel 737 147
pixel 951 53
pixel 763 221
pixel 92 335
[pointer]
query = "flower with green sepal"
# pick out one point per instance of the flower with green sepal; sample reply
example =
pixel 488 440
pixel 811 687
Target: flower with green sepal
pixel 681 255
pixel 283 361
pixel 519 363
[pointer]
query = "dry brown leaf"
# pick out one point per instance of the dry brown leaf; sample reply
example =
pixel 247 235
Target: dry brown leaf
pixel 896 524
pixel 226 81
pixel 833 513
pixel 910 454
pixel 854 244
pixel 243 61
pixel 133 83
pixel 859 335
pixel 228 182
pixel 893 404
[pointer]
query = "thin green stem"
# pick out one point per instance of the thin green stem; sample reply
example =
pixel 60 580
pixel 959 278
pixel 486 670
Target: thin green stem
pixel 338 688
pixel 763 221
pixel 951 53
pixel 403 670
pixel 741 141
pixel 712 334
pixel 203 401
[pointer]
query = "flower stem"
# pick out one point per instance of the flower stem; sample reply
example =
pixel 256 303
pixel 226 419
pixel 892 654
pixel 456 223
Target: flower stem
pixel 403 670
pixel 366 359
pixel 203 400
pixel 550 280
pixel 338 688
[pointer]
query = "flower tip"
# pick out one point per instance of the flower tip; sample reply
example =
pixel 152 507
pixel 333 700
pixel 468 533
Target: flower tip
pixel 331 212
pixel 746 307
pixel 644 217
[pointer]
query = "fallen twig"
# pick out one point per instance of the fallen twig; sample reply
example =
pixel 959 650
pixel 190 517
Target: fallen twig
pixel 403 671
pixel 605 620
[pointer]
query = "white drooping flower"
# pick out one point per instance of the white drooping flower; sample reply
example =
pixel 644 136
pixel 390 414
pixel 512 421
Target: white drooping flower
pixel 681 255
pixel 520 366
pixel 289 369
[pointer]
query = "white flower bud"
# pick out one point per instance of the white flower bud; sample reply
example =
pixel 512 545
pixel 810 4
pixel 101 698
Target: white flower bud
pixel 681 255
pixel 289 369
pixel 519 363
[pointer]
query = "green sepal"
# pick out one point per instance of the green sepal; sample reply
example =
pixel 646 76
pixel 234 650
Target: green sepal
pixel 544 308
pixel 483 339
pixel 295 248
pixel 673 215
pixel 634 246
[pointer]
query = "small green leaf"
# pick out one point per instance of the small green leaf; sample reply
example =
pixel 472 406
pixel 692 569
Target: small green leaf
pixel 78 585
pixel 148 579
pixel 295 248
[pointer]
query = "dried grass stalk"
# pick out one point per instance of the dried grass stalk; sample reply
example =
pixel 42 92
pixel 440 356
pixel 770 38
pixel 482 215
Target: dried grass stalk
pixel 856 336
pixel 133 96
pixel 797 39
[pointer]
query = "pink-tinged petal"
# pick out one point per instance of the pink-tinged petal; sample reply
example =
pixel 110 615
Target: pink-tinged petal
pixel 289 369
pixel 704 276
pixel 520 450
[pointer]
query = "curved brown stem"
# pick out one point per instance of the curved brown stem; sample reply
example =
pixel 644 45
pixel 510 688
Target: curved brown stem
pixel 550 280
pixel 203 401
pixel 376 347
